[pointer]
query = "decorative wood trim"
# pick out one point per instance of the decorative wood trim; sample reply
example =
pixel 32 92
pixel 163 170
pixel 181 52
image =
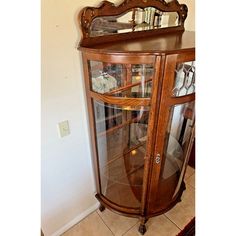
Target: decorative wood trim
pixel 135 212
pixel 154 107
pixel 128 211
pixel 122 101
pixel 107 8
pixel 121 58
pixel 121 89
pixel 180 100
pixel 107 132
pixel 183 57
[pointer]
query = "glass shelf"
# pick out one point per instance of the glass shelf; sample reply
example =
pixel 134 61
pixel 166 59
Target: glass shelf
pixel 110 118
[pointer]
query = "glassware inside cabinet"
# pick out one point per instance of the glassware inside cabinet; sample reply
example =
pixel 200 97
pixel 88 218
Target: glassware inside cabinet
pixel 121 80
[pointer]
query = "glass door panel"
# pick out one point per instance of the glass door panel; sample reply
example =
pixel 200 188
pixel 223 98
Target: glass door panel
pixel 121 80
pixel 177 138
pixel 121 133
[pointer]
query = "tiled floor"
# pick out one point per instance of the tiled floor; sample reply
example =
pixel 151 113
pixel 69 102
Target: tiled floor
pixel 107 223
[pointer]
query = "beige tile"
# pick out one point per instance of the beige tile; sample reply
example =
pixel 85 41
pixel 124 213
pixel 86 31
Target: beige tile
pixel 189 171
pixel 158 226
pixel 118 224
pixel 92 225
pixel 191 181
pixel 180 216
pixel 188 197
pixel 184 211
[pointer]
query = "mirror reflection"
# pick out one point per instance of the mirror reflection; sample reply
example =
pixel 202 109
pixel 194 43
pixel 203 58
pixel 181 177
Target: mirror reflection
pixel 135 20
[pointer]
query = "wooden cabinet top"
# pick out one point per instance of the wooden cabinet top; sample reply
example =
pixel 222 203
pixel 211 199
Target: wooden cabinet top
pixel 157 44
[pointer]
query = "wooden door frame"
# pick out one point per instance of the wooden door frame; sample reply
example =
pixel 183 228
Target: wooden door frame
pixel 152 102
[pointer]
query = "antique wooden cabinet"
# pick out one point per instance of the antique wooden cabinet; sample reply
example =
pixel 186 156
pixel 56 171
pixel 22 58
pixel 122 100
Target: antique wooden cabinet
pixel 139 73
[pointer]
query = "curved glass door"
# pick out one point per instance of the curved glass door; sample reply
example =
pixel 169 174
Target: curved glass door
pixel 121 134
pixel 121 95
pixel 174 160
pixel 174 132
pixel 178 133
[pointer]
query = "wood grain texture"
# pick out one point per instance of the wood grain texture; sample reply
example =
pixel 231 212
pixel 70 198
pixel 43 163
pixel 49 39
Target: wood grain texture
pixel 161 44
pixel 122 101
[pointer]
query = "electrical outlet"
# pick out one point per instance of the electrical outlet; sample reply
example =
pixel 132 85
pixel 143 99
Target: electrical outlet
pixel 63 128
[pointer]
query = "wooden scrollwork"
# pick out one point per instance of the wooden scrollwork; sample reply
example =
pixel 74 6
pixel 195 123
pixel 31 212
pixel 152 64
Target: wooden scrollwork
pixel 106 8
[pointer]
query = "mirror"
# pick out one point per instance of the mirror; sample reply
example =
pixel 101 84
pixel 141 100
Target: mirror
pixel 136 19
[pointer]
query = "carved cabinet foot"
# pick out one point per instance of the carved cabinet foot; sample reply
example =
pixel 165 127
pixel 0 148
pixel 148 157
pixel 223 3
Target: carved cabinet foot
pixel 101 208
pixel 142 229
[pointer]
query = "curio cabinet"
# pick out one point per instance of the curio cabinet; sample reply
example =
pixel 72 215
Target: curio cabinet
pixel 139 73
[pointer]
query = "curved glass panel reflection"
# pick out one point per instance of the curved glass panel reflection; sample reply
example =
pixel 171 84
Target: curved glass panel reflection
pixel 121 134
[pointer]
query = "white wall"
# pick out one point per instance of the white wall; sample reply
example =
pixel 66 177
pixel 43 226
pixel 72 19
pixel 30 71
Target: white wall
pixel 67 177
pixel 190 21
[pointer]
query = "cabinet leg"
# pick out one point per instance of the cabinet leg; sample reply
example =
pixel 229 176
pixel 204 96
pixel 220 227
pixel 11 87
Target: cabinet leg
pixel 142 228
pixel 101 208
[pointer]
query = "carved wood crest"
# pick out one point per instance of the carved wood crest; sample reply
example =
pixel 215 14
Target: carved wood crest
pixel 109 9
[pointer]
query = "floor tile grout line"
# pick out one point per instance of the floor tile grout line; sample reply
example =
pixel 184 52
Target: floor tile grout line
pixel 104 222
pixel 111 230
pixel 189 185
pixel 79 222
pixel 135 223
pixel 190 175
pixel 130 229
pixel 172 222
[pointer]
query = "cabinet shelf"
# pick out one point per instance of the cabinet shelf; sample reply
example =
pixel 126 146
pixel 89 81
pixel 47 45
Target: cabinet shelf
pixel 110 118
pixel 124 124
pixel 129 86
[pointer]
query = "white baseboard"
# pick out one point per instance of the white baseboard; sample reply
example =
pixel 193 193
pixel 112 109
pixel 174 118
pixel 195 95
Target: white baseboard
pixel 76 220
